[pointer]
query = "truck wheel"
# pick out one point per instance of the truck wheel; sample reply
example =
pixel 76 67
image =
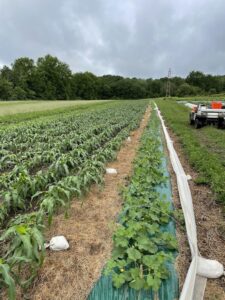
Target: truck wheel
pixel 198 124
pixel 223 125
pixel 220 124
pixel 191 120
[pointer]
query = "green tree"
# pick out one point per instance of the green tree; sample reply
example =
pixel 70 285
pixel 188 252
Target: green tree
pixel 6 89
pixel 84 86
pixel 52 78
pixel 155 88
pixel 18 93
pixel 196 78
pixel 23 71
pixel 187 90
pixel 6 73
pixel 106 84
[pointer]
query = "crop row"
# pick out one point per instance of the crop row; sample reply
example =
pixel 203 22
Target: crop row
pixel 142 250
pixel 68 147
pixel 19 186
pixel 22 189
pixel 28 199
pixel 22 144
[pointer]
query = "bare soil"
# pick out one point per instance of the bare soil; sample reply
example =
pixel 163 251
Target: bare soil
pixel 71 274
pixel 210 227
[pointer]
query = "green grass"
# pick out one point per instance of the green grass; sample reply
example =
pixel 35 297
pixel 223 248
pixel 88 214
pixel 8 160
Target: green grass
pixel 19 111
pixel 214 140
pixel 216 97
pixel 205 148
pixel 15 107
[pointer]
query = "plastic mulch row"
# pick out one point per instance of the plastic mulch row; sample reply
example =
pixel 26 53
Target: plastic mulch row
pixel 169 290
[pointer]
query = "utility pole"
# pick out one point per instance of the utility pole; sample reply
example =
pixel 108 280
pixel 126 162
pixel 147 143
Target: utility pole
pixel 168 84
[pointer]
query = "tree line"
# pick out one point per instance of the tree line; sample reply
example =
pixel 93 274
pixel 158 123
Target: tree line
pixel 49 78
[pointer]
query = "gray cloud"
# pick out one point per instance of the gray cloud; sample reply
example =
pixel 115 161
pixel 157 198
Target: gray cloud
pixel 141 38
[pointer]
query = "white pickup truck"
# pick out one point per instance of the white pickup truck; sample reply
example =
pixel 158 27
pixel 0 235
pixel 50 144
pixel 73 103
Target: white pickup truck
pixel 203 114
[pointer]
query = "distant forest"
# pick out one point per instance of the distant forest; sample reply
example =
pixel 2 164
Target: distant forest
pixel 48 78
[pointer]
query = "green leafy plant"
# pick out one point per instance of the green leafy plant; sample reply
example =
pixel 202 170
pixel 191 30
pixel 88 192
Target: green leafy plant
pixel 43 167
pixel 142 249
pixel 7 280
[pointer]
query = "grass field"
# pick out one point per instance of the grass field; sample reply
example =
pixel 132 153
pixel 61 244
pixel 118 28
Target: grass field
pixel 205 148
pixel 216 97
pixel 20 111
pixel 15 107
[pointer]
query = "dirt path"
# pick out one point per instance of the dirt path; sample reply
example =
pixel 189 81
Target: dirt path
pixel 210 227
pixel 71 274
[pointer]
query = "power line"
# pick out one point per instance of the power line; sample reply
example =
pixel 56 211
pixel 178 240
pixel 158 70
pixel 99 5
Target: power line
pixel 168 84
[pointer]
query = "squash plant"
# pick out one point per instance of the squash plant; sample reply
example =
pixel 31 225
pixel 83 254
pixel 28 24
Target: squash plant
pixel 142 248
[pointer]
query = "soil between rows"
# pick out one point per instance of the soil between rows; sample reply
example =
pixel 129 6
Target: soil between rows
pixel 71 274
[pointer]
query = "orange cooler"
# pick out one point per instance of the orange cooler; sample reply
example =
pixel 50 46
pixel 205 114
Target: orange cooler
pixel 216 105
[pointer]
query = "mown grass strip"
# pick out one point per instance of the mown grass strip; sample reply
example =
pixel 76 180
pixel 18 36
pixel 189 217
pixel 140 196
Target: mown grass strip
pixel 198 146
pixel 198 98
pixel 10 119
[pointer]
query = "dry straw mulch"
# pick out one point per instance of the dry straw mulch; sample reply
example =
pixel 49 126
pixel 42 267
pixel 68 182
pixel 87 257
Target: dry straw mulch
pixel 71 274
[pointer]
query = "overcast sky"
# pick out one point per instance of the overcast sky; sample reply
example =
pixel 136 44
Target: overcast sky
pixel 140 38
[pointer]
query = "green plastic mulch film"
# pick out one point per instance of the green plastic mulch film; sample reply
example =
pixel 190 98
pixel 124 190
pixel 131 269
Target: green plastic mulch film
pixel 169 289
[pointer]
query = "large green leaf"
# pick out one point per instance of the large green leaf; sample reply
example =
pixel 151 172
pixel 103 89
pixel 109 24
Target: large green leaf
pixel 8 280
pixel 133 254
